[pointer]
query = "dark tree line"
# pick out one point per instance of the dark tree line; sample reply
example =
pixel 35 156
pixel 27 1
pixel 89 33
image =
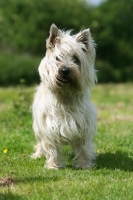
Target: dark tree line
pixel 24 27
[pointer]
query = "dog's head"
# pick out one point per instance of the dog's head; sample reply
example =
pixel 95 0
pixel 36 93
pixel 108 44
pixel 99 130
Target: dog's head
pixel 69 62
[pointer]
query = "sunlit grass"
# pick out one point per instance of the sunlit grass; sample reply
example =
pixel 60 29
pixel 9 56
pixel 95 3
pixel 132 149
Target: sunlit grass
pixel 111 178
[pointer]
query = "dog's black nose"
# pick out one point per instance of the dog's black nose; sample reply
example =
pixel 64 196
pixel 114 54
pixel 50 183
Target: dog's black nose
pixel 64 72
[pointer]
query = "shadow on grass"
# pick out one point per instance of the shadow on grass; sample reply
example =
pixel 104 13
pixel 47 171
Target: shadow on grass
pixel 40 178
pixel 117 160
pixel 11 196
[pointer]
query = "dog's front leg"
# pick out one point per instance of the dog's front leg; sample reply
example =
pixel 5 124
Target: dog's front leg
pixel 53 156
pixel 84 154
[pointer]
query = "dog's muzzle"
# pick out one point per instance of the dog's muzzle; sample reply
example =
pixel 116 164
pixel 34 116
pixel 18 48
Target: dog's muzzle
pixel 63 75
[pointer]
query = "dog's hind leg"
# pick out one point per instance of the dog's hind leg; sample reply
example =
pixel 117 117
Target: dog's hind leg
pixel 38 151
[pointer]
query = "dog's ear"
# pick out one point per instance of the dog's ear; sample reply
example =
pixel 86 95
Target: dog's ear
pixel 84 37
pixel 54 33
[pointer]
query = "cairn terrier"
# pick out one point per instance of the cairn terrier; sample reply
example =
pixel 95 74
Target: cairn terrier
pixel 62 111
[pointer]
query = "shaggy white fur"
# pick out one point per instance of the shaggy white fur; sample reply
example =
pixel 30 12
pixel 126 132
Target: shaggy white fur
pixel 62 111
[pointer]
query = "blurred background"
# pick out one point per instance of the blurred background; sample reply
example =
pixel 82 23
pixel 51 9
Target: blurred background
pixel 24 27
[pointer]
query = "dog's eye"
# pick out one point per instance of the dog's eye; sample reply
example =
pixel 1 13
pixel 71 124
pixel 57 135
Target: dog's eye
pixel 57 58
pixel 75 60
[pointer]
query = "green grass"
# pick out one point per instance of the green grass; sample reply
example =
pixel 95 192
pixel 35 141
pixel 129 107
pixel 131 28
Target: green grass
pixel 111 178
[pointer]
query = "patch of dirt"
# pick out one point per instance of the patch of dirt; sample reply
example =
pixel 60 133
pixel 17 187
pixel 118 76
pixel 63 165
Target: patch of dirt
pixel 6 181
pixel 123 118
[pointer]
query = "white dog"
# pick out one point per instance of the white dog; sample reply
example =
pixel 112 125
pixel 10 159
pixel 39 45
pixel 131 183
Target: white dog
pixel 62 111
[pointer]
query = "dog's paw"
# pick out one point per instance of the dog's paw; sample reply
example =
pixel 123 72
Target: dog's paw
pixel 55 167
pixel 84 166
pixel 35 156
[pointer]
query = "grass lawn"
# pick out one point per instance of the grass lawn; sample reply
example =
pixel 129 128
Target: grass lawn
pixel 27 179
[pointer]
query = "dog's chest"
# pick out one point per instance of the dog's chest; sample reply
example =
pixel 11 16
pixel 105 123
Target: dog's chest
pixel 67 121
